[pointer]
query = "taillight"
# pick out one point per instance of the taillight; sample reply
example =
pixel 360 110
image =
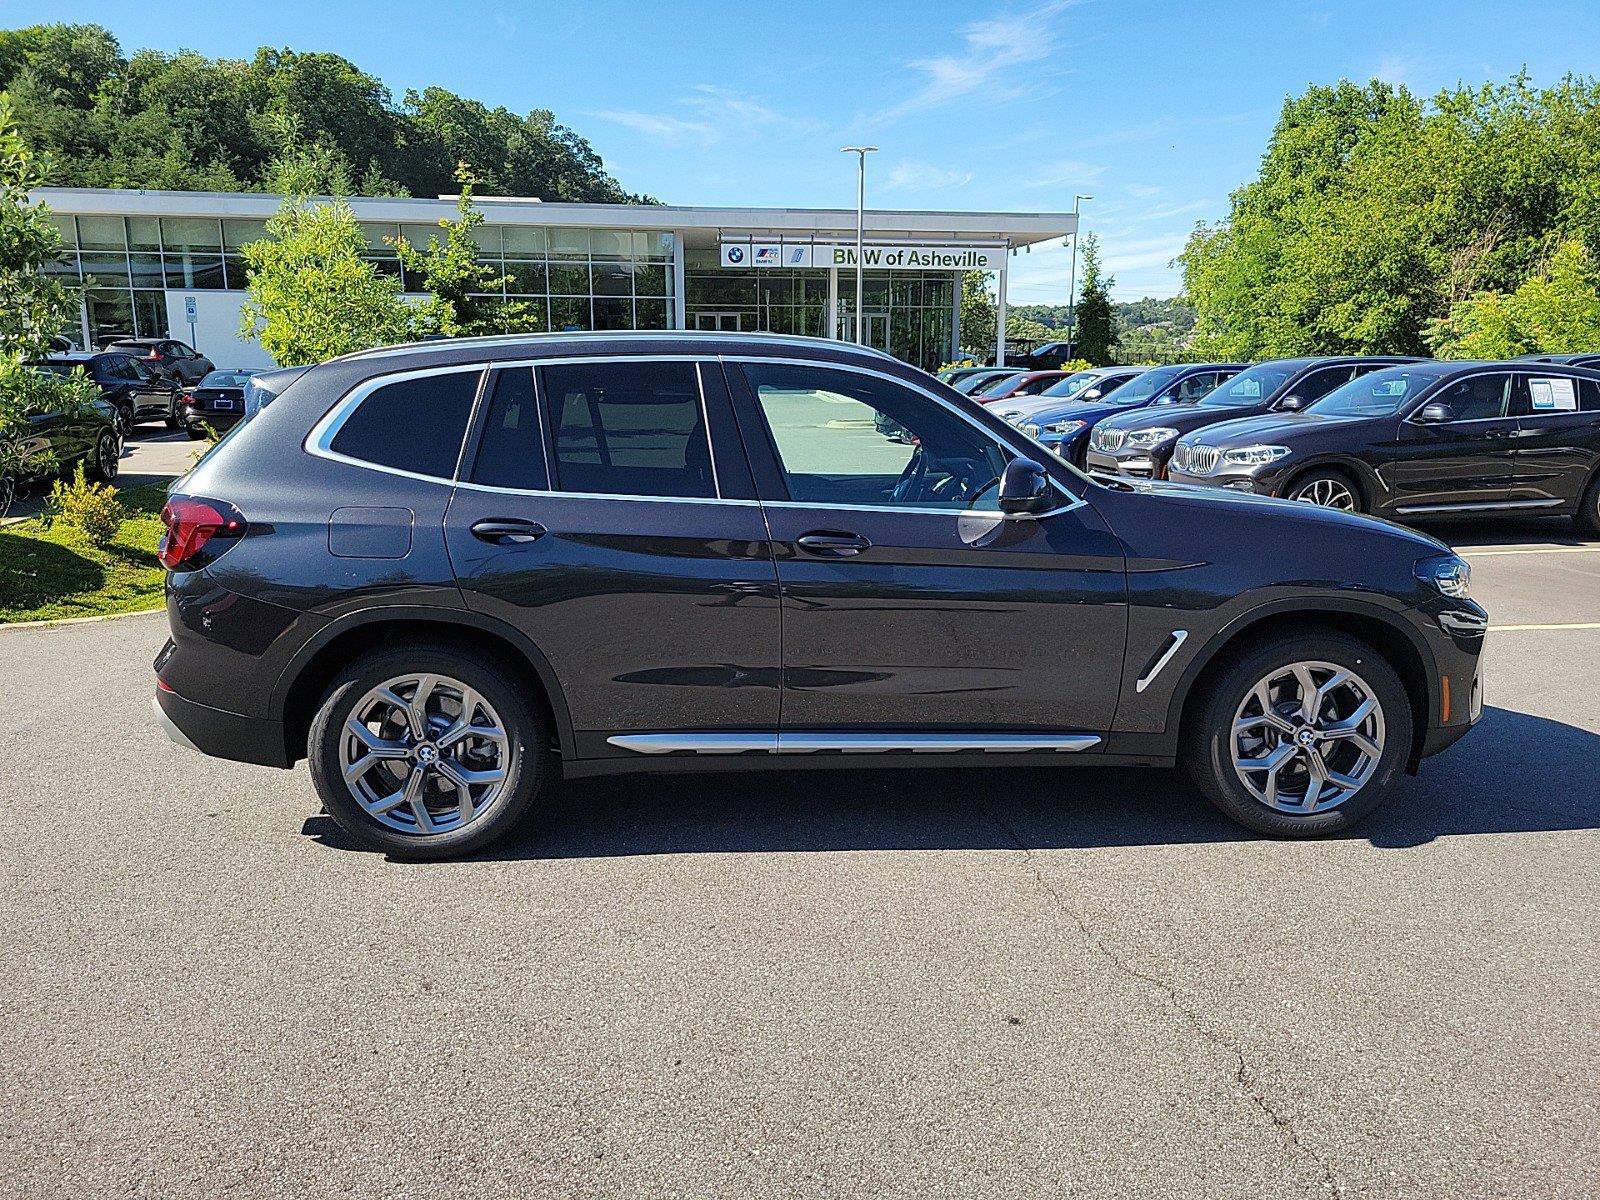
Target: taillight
pixel 199 531
pixel 153 356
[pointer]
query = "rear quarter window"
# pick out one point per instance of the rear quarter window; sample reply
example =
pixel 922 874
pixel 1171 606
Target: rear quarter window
pixel 412 424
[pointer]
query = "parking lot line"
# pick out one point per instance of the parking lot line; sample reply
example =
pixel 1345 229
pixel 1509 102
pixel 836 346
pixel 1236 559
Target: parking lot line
pixel 1526 628
pixel 1530 550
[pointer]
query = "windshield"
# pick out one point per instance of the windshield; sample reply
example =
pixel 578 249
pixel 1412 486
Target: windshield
pixel 994 383
pixel 1379 394
pixel 1250 386
pixel 225 379
pixel 1147 386
pixel 967 383
pixel 1072 384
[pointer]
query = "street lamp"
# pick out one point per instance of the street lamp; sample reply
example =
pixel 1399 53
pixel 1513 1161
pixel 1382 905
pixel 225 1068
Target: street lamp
pixel 861 153
pixel 1072 279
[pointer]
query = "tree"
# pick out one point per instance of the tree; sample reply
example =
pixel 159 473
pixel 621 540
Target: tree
pixel 1375 212
pixel 33 307
pixel 1097 334
pixel 457 279
pixel 977 313
pixel 184 121
pixel 1556 311
pixel 313 295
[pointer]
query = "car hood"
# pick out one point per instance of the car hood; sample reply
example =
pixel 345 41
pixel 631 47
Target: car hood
pixel 1234 506
pixel 1182 417
pixel 1289 427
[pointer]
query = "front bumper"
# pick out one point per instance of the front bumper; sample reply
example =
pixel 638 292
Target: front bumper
pixel 1136 464
pixel 1236 479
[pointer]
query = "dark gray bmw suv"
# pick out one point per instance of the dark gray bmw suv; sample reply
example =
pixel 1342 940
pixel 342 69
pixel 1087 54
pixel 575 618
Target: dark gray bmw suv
pixel 449 573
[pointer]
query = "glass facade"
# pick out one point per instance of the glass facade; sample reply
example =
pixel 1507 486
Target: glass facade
pixel 560 278
pixel 908 313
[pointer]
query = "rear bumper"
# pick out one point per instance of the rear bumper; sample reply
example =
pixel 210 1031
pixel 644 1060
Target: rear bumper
pixel 220 734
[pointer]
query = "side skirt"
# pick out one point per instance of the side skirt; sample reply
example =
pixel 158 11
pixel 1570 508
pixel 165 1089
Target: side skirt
pixel 825 742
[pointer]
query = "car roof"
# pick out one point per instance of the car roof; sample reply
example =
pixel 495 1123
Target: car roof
pixel 72 356
pixel 1443 369
pixel 554 345
pixel 139 341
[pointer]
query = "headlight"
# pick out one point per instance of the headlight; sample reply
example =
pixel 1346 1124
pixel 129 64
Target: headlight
pixel 1253 456
pixel 1448 573
pixel 1065 427
pixel 1145 439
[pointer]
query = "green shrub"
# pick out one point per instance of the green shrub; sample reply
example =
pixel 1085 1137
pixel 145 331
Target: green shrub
pixel 91 508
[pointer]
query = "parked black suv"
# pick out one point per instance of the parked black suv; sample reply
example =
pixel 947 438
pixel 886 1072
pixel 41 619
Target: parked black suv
pixel 448 573
pixel 51 442
pixel 1140 443
pixel 133 391
pixel 1434 439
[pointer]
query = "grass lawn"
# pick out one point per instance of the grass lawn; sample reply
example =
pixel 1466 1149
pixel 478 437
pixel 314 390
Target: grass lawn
pixel 48 574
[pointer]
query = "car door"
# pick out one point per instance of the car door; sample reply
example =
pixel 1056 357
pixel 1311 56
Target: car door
pixel 1466 460
pixel 606 511
pixel 1557 439
pixel 153 391
pixel 909 601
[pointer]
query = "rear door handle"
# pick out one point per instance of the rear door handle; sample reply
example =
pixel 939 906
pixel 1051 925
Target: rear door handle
pixel 827 544
pixel 504 531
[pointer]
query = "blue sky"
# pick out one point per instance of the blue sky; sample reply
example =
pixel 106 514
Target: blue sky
pixel 1158 109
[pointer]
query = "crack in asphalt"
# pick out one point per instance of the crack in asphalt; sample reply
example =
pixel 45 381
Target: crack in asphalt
pixel 1244 1078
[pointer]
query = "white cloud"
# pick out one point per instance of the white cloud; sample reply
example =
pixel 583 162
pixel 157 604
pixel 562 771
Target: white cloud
pixel 660 126
pixel 924 177
pixel 991 50
pixel 1063 174
pixel 725 109
pixel 1143 191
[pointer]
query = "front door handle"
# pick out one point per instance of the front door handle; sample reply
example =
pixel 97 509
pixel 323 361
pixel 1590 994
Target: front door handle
pixel 827 544
pixel 504 531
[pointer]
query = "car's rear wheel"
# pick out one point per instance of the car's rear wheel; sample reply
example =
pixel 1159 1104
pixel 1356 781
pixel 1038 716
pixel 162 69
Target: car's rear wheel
pixel 1328 489
pixel 107 456
pixel 1302 735
pixel 427 751
pixel 1587 518
pixel 124 419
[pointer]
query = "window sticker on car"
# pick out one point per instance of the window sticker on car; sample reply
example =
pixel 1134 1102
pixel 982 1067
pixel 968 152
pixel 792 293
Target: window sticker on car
pixel 1553 395
pixel 1390 387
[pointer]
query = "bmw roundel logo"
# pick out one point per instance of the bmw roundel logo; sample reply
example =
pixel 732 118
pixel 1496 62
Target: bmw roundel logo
pixel 735 254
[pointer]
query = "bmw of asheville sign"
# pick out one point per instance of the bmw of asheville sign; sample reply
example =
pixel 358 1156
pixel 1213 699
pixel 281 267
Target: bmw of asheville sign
pixel 875 256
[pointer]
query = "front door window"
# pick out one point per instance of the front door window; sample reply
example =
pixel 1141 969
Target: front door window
pixel 848 439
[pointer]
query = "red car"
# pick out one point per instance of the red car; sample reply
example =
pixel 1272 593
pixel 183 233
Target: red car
pixel 1024 383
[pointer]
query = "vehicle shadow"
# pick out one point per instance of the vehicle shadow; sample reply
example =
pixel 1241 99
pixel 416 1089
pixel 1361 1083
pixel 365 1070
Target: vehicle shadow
pixel 1512 775
pixel 1506 531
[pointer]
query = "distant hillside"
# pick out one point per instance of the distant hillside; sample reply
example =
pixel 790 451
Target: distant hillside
pixel 1171 314
pixel 187 122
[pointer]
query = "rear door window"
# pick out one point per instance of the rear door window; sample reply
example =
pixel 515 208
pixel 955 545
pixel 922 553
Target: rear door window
pixel 629 429
pixel 511 448
pixel 413 425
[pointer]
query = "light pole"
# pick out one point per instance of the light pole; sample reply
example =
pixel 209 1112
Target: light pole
pixel 861 153
pixel 1072 279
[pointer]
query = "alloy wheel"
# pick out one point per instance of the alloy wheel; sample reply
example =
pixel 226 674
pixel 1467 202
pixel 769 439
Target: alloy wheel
pixel 1329 493
pixel 108 456
pixel 1307 737
pixel 424 754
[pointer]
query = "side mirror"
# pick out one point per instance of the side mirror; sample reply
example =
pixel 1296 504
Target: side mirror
pixel 1435 414
pixel 1024 487
pixel 1291 404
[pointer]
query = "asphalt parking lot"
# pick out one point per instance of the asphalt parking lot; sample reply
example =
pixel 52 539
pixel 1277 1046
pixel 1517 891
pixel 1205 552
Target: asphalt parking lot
pixel 986 983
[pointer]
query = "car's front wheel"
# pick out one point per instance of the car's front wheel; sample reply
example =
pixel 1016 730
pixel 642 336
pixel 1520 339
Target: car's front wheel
pixel 1301 735
pixel 1329 489
pixel 427 751
pixel 107 456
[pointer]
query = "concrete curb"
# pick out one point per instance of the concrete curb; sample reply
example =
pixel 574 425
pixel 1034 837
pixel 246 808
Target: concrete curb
pixel 142 612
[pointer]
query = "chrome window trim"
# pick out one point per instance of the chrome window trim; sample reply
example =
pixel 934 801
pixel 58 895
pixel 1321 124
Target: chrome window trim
pixel 322 434
pixel 319 442
pixel 1073 501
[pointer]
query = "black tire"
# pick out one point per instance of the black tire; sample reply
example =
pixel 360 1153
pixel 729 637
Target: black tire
pixel 172 419
pixel 1208 732
pixel 1331 481
pixel 124 419
pixel 196 434
pixel 1587 518
pixel 107 458
pixel 529 764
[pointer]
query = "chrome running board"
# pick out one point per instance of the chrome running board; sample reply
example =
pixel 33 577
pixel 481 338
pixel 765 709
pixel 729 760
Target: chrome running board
pixel 823 742
pixel 1478 506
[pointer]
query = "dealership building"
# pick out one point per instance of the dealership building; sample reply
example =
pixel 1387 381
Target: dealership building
pixel 155 263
